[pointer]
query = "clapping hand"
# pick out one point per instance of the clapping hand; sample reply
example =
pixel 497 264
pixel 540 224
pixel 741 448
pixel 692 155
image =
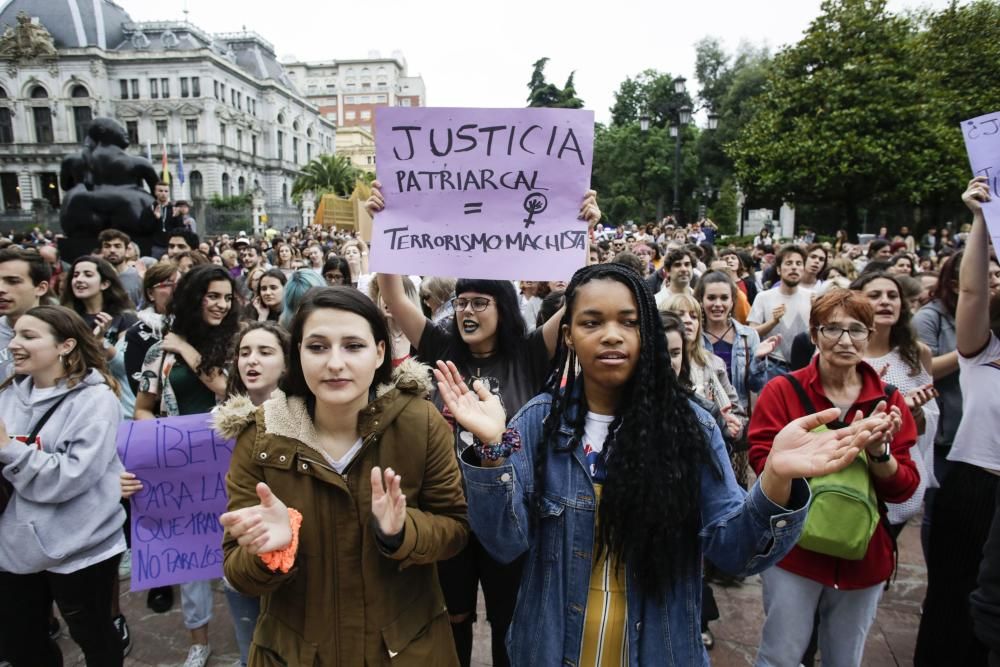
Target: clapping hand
pixel 767 346
pixel 262 528
pixel 798 451
pixel 778 312
pixel 478 411
pixel 921 396
pixel 733 423
pixel 101 322
pixel 388 501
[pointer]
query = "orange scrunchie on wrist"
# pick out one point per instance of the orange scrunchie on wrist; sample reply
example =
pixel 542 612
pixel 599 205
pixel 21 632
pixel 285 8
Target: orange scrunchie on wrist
pixel 283 559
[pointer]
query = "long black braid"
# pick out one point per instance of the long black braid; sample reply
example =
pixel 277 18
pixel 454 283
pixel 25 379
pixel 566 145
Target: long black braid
pixel 649 514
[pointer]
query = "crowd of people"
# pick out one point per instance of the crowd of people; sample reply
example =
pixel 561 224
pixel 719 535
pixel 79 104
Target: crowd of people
pixel 593 455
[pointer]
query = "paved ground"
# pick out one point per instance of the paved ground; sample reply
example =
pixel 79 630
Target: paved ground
pixel 160 639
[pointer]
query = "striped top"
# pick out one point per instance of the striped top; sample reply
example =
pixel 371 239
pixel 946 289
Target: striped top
pixel 605 626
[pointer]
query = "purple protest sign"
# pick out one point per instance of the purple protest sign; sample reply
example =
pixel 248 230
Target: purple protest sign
pixel 482 193
pixel 182 464
pixel 982 143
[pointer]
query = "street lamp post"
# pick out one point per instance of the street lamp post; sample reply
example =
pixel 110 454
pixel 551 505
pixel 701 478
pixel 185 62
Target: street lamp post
pixel 680 115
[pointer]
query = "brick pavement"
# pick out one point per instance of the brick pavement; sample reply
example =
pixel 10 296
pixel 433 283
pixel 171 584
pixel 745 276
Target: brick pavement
pixel 159 640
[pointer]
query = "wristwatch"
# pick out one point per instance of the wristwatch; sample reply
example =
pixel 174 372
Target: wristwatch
pixel 885 456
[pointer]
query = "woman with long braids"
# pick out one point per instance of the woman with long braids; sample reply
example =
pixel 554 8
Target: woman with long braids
pixel 615 485
pixel 183 374
pixel 487 341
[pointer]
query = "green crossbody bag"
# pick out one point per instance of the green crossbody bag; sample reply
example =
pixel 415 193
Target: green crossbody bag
pixel 844 512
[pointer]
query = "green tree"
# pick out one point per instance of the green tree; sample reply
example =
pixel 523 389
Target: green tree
pixel 545 94
pixel 843 117
pixel 327 174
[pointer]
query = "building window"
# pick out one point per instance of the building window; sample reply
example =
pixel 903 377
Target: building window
pixel 11 192
pixel 6 127
pixel 405 102
pixel 161 131
pixel 197 185
pixel 215 85
pixel 281 145
pixel 123 83
pixel 241 185
pixel 79 91
pixel 232 97
pixel 349 115
pixel 253 144
pixel 309 152
pixel 184 86
pixel 38 93
pixel 366 115
pixel 284 193
pixel 239 141
pixel 132 129
pixel 295 150
pixel 50 188
pixel 239 101
pixel 222 133
pixel 191 129
pixel 222 92
pixel 225 185
pixel 195 87
pixel 43 124
pixel 81 121
pixel 154 89
pixel 165 88
pixel 135 88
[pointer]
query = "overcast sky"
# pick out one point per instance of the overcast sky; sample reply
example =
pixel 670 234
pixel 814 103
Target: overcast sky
pixel 479 54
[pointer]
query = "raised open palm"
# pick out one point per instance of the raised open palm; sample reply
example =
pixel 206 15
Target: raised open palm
pixel 262 528
pixel 479 412
pixel 799 451
pixel 388 501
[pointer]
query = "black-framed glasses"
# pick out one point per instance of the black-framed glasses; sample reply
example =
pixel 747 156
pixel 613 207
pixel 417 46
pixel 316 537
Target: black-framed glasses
pixel 834 332
pixel 479 303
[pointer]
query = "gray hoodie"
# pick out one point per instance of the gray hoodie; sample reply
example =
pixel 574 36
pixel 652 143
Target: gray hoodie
pixel 65 514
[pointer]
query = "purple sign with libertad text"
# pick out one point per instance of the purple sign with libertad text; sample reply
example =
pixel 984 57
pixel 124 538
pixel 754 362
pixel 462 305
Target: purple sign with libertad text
pixel 182 464
pixel 482 193
pixel 982 143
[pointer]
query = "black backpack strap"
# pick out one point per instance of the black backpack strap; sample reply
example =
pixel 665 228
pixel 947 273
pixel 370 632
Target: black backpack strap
pixel 807 404
pixel 41 422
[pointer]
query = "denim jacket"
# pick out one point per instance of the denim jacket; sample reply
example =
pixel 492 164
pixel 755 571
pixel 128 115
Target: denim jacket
pixel 742 534
pixel 760 371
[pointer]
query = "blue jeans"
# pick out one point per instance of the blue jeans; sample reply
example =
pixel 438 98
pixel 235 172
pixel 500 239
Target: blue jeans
pixel 244 609
pixel 790 604
pixel 196 603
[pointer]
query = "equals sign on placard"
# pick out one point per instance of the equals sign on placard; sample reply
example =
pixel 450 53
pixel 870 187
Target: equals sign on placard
pixel 474 207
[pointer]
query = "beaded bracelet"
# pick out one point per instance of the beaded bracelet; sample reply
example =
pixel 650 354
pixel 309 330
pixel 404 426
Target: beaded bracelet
pixel 509 443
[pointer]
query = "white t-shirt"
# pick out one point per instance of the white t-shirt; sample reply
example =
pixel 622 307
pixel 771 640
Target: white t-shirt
pixel 977 440
pixel 793 322
pixel 340 465
pixel 595 432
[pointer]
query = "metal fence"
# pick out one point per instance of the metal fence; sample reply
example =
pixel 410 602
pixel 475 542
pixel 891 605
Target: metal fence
pixel 42 217
pixel 283 217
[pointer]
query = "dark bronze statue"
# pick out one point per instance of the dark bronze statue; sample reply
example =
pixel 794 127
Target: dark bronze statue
pixel 104 189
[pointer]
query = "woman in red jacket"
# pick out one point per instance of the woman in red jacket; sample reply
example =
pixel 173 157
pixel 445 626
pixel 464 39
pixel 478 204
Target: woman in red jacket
pixel 843 594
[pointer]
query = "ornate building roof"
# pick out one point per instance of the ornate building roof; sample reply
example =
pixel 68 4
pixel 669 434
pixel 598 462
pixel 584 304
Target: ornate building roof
pixel 72 23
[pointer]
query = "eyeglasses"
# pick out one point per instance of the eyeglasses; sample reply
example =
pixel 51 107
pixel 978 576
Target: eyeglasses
pixel 170 284
pixel 479 304
pixel 834 332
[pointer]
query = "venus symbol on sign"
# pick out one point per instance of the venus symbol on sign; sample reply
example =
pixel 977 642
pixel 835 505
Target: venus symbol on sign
pixel 534 203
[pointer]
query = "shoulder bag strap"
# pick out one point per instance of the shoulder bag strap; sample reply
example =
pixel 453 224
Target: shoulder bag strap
pixel 807 404
pixel 41 422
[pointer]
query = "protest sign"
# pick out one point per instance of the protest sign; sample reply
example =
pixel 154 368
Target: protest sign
pixel 182 464
pixel 982 143
pixel 482 193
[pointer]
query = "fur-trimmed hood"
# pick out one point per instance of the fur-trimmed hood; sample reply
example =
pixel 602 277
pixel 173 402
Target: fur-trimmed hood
pixel 289 417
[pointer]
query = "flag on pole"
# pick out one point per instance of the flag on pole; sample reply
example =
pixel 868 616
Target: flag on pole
pixel 149 151
pixel 165 176
pixel 180 162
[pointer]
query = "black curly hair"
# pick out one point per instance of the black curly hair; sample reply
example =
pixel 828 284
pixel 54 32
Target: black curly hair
pixel 186 319
pixel 649 514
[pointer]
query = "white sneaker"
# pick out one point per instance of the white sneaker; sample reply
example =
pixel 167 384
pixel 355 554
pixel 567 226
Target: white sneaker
pixel 125 565
pixel 198 655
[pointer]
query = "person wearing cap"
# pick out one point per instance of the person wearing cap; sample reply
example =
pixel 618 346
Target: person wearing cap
pixel 182 215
